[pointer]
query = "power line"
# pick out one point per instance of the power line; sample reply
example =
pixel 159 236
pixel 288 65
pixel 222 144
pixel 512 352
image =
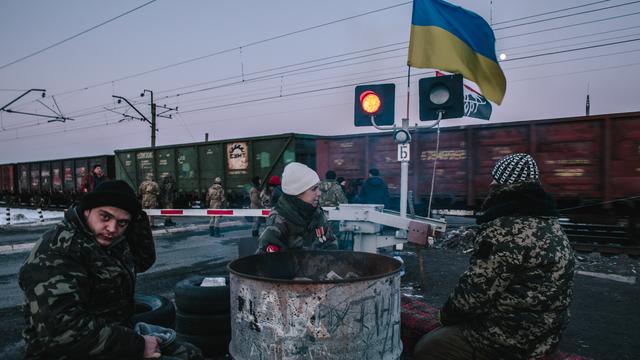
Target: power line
pixel 549 12
pixel 239 47
pixel 566 16
pixel 568 26
pixel 76 35
pixel 571 50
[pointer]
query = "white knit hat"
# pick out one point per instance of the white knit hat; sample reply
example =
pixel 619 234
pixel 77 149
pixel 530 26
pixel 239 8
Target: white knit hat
pixel 298 178
pixel 514 168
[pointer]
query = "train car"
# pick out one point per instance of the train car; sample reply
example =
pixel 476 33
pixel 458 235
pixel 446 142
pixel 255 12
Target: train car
pixel 591 164
pixel 8 182
pixel 195 165
pixel 55 182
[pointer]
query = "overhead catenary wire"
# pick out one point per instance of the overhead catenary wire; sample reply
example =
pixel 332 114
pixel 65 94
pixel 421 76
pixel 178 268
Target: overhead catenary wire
pixel 291 71
pixel 567 15
pixel 550 12
pixel 76 35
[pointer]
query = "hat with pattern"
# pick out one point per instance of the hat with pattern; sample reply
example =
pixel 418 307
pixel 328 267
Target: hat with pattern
pixel 515 168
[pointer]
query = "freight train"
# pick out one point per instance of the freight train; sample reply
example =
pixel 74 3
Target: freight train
pixel 591 164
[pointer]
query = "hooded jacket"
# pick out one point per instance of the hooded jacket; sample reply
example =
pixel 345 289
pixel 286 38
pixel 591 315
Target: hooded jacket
pixel 374 191
pixel 294 224
pixel 513 300
pixel 79 295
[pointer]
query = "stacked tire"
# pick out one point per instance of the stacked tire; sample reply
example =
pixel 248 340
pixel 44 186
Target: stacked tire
pixel 203 314
pixel 154 309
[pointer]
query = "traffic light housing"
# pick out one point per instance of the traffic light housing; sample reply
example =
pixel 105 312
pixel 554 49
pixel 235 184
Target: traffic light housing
pixel 375 100
pixel 441 93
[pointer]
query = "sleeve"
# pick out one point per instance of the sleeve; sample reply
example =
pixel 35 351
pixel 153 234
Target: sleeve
pixel 56 294
pixel 140 239
pixel 492 268
pixel 255 197
pixel 274 234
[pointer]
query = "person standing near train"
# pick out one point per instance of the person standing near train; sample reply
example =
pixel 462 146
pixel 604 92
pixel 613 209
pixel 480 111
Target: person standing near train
pixel 255 203
pixel 296 221
pixel 513 300
pixel 149 191
pixel 216 199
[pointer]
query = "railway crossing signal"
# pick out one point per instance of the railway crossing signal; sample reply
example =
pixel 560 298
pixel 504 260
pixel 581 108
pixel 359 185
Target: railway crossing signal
pixel 374 103
pixel 441 94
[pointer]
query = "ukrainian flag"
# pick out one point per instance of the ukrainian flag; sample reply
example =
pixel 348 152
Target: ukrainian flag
pixel 450 38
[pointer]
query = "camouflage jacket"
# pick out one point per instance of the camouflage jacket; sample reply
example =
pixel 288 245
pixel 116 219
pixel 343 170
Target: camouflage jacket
pixel 149 190
pixel 79 295
pixel 168 191
pixel 215 196
pixel 294 224
pixel 513 300
pixel 331 194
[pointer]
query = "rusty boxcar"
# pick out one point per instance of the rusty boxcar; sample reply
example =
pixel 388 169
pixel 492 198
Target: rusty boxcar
pixel 591 161
pixel 49 182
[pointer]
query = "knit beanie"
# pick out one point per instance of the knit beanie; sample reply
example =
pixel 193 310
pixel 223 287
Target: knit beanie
pixel 515 168
pixel 116 193
pixel 298 178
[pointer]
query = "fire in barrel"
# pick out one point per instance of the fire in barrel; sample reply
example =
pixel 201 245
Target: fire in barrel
pixel 315 304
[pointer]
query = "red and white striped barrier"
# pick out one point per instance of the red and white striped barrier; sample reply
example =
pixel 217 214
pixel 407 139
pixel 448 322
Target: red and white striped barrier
pixel 208 212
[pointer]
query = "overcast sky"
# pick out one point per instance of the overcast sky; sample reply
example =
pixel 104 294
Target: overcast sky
pixel 249 68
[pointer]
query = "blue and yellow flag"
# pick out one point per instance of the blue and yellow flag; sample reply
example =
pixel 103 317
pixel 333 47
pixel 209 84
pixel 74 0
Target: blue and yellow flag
pixel 450 38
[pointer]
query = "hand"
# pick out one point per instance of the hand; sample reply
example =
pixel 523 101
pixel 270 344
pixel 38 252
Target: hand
pixel 151 347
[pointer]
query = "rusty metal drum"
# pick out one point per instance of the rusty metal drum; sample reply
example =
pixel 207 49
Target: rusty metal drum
pixel 315 305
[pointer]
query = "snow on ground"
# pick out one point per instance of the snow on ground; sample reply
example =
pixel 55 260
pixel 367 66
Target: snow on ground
pixel 25 216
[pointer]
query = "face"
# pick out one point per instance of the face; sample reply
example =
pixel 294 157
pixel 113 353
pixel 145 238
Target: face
pixel 98 171
pixel 107 223
pixel 311 195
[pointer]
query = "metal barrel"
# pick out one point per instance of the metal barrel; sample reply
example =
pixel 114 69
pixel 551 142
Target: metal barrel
pixel 315 305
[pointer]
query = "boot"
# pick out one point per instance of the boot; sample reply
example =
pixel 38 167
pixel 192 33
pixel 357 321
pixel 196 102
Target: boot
pixel 218 232
pixel 212 231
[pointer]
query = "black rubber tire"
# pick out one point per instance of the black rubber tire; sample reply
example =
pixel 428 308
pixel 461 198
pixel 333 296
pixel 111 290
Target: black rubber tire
pixel 191 298
pixel 155 310
pixel 209 345
pixel 208 325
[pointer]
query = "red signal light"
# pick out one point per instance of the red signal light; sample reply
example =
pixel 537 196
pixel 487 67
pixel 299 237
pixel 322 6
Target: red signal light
pixel 370 102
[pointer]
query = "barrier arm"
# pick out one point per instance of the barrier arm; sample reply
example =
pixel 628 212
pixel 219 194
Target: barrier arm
pixel 366 222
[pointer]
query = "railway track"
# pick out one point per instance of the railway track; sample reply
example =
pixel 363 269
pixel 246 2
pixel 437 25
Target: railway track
pixel 605 239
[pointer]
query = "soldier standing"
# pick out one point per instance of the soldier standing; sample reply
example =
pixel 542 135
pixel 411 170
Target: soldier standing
pixel 254 197
pixel 215 198
pixel 331 195
pixel 149 190
pixel 168 195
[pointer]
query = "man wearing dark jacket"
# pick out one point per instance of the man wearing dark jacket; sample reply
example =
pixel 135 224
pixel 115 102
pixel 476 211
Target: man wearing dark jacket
pixel 79 282
pixel 513 300
pixel 374 190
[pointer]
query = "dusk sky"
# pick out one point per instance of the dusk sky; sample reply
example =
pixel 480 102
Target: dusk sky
pixel 250 68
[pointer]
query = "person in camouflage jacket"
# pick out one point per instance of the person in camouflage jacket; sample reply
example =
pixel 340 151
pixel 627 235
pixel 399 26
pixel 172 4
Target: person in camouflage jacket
pixel 513 300
pixel 296 221
pixel 149 190
pixel 331 193
pixel 79 281
pixel 216 199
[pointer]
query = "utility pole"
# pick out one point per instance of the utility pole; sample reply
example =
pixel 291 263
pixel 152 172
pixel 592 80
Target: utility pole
pixel 153 117
pixel 154 114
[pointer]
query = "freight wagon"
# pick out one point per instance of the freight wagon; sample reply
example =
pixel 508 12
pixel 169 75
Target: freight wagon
pixel 49 182
pixel 195 165
pixel 591 164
